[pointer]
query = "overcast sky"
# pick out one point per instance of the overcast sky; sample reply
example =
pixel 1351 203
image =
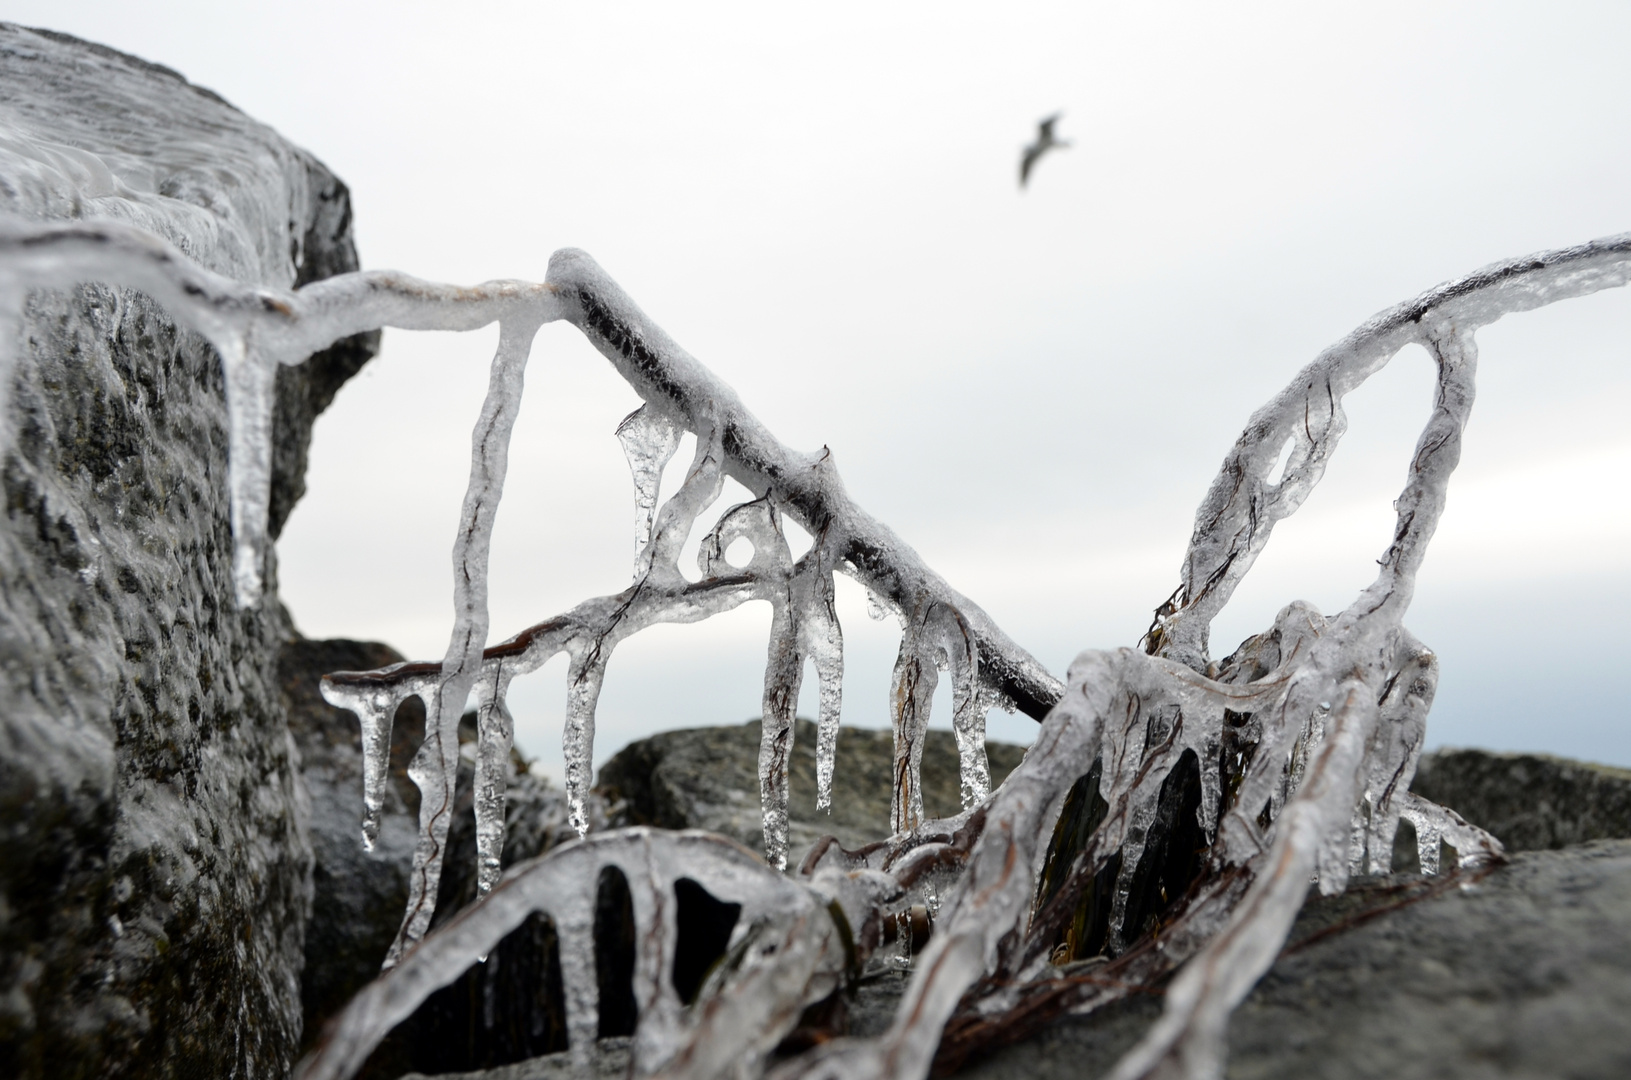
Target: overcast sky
pixel 1032 388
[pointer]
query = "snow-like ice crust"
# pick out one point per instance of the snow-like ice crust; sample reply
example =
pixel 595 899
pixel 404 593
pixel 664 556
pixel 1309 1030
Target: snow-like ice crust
pixel 1307 735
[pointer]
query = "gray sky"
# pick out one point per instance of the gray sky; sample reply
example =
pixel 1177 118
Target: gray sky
pixel 1033 389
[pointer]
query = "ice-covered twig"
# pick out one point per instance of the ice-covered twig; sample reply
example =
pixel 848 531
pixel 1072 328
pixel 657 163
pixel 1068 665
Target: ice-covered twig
pixel 681 394
pixel 255 329
pixel 1334 733
pixel 1242 507
pixel 789 949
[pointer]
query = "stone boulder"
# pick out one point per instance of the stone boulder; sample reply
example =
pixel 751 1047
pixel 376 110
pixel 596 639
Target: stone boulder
pixel 1531 802
pixel 708 778
pixel 155 870
pixel 1524 974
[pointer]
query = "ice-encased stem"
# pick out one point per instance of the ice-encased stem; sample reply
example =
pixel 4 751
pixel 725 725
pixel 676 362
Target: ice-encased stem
pixel 911 695
pixel 436 767
pixel 433 770
pixel 562 885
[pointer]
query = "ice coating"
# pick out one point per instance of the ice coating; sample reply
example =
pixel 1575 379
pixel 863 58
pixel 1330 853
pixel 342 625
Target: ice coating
pixel 1306 737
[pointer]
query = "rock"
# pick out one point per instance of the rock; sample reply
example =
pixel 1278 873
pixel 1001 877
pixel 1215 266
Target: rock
pixel 155 871
pixel 1531 802
pixel 1526 974
pixel 708 778
pixel 612 1063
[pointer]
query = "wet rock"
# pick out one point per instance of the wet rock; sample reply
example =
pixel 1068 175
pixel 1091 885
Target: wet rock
pixel 1531 802
pixel 612 1063
pixel 155 871
pixel 708 778
pixel 1526 974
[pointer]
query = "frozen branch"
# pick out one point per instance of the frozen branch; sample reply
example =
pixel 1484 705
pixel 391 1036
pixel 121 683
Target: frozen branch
pixel 1287 761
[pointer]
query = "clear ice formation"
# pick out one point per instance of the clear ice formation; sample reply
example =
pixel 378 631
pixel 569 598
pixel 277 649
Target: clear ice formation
pixel 1307 735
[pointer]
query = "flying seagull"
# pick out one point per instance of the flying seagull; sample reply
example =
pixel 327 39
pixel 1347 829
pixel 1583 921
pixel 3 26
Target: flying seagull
pixel 1044 142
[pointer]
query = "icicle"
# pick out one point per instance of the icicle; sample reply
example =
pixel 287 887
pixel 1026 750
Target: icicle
pixel 825 642
pixel 1358 833
pixel 1203 725
pixel 874 607
pixel 495 730
pixel 1400 735
pixel 649 440
pixel 250 379
pixel 678 514
pixel 376 712
pixel 784 671
pixel 583 681
pixel 375 705
pixel 968 710
pixel 1144 800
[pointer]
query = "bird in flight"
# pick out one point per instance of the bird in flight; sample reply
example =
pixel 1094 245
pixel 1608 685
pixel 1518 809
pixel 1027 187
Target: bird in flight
pixel 1044 142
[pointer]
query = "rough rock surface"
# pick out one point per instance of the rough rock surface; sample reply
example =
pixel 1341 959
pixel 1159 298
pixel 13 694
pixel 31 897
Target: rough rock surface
pixel 708 778
pixel 1525 974
pixel 1531 802
pixel 155 872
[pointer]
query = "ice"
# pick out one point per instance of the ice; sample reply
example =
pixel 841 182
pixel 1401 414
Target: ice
pixel 1320 719
pixel 826 645
pixel 790 954
pixel 583 681
pixel 495 730
pixel 649 440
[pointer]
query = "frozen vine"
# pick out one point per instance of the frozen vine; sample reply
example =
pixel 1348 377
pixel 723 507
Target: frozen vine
pixel 1299 747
